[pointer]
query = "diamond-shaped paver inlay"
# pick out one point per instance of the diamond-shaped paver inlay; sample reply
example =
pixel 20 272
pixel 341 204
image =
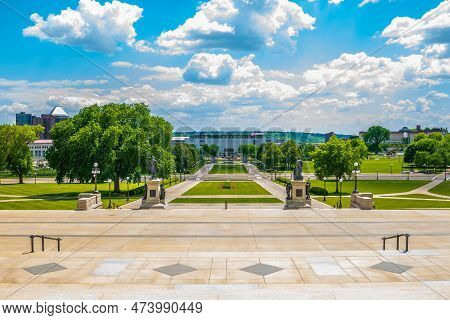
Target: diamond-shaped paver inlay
pixel 175 269
pixel 44 268
pixel 261 269
pixel 391 267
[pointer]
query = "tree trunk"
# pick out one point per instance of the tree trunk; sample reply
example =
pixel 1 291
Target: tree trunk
pixel 20 179
pixel 116 185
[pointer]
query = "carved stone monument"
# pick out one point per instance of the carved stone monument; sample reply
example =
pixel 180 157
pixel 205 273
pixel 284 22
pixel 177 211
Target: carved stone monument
pixel 155 194
pixel 297 191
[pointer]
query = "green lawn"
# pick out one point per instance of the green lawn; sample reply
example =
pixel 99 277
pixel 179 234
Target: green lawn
pixel 392 204
pixel 57 196
pixel 443 188
pixel 228 169
pixel 383 164
pixel 40 173
pixel 419 196
pixel 230 200
pixel 216 188
pixel 373 186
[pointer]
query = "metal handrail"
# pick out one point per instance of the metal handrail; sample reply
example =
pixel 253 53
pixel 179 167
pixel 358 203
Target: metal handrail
pixel 43 242
pixel 398 236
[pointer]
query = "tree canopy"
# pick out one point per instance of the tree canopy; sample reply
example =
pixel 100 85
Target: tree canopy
pixel 291 152
pixel 248 150
pixel 271 155
pixel 121 138
pixel 186 156
pixel 16 155
pixel 428 150
pixel 337 157
pixel 375 136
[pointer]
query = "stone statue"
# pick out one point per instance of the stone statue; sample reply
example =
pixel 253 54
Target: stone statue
pixel 298 170
pixel 288 191
pixel 162 193
pixel 152 168
pixel 145 192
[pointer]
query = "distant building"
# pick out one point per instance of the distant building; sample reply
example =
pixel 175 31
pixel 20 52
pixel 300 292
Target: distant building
pixel 227 141
pixel 39 148
pixel 23 119
pixel 329 135
pixel 48 121
pixel 406 135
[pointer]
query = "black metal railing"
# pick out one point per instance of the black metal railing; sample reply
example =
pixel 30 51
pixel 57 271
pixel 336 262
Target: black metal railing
pixel 43 238
pixel 398 236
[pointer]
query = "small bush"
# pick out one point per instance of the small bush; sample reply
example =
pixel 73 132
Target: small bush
pixel 318 191
pixel 283 180
pixel 226 185
pixel 136 191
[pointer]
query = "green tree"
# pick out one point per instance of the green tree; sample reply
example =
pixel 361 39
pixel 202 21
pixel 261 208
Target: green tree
pixel 213 150
pixel 426 146
pixel 306 149
pixel 336 158
pixel 375 136
pixel 291 152
pixel 16 155
pixel 271 155
pixel 184 157
pixel 247 150
pixel 121 138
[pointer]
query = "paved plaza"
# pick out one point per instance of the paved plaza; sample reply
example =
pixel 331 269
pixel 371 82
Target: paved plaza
pixel 225 254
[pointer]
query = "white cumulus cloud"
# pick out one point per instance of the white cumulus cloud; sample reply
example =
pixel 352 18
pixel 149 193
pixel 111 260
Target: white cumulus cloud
pixel 92 26
pixel 220 69
pixel 432 28
pixel 238 25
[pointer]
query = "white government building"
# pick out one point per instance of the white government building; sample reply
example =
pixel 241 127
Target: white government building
pixel 39 148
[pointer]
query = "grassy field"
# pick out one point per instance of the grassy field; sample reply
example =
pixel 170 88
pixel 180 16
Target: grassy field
pixel 40 173
pixel 383 164
pixel 373 186
pixel 52 196
pixel 392 204
pixel 443 188
pixel 217 188
pixel 419 196
pixel 222 200
pixel 228 169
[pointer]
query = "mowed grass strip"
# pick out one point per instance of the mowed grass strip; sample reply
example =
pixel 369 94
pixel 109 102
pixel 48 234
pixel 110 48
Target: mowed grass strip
pixel 229 200
pixel 212 188
pixel 443 188
pixel 373 186
pixel 228 169
pixel 392 204
pixel 419 196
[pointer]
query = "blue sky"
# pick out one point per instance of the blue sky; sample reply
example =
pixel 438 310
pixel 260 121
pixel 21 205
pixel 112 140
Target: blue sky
pixel 293 65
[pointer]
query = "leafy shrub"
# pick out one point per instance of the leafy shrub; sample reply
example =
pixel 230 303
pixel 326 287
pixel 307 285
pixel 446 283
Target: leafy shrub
pixel 226 185
pixel 319 191
pixel 139 191
pixel 283 180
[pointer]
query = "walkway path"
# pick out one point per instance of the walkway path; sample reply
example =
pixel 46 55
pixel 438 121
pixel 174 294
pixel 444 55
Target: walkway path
pixel 421 190
pixel 280 192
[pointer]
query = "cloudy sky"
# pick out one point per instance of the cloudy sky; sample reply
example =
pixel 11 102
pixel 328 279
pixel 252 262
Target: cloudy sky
pixel 306 65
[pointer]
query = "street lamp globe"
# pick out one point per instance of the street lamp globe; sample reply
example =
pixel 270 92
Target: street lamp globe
pixel 340 180
pixel 325 178
pixel 128 178
pixel 356 164
pixel 109 180
pixel 95 165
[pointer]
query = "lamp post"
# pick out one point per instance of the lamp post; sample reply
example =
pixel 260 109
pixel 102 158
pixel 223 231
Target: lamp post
pixel 325 189
pixel 128 189
pixel 109 185
pixel 377 174
pixel 35 176
pixel 95 171
pixel 391 168
pixel 356 177
pixel 340 193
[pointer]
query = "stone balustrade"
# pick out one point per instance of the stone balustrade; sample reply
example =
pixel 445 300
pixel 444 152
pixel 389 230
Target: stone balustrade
pixel 363 201
pixel 87 201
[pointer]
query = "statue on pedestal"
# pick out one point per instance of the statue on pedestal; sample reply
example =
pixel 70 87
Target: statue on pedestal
pixel 152 168
pixel 298 170
pixel 288 191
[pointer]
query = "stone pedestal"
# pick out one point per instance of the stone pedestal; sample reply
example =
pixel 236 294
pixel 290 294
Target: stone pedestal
pixel 299 199
pixel 363 201
pixel 152 200
pixel 87 201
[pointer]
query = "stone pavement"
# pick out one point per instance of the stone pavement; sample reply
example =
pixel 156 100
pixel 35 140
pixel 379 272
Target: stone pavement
pixel 211 254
